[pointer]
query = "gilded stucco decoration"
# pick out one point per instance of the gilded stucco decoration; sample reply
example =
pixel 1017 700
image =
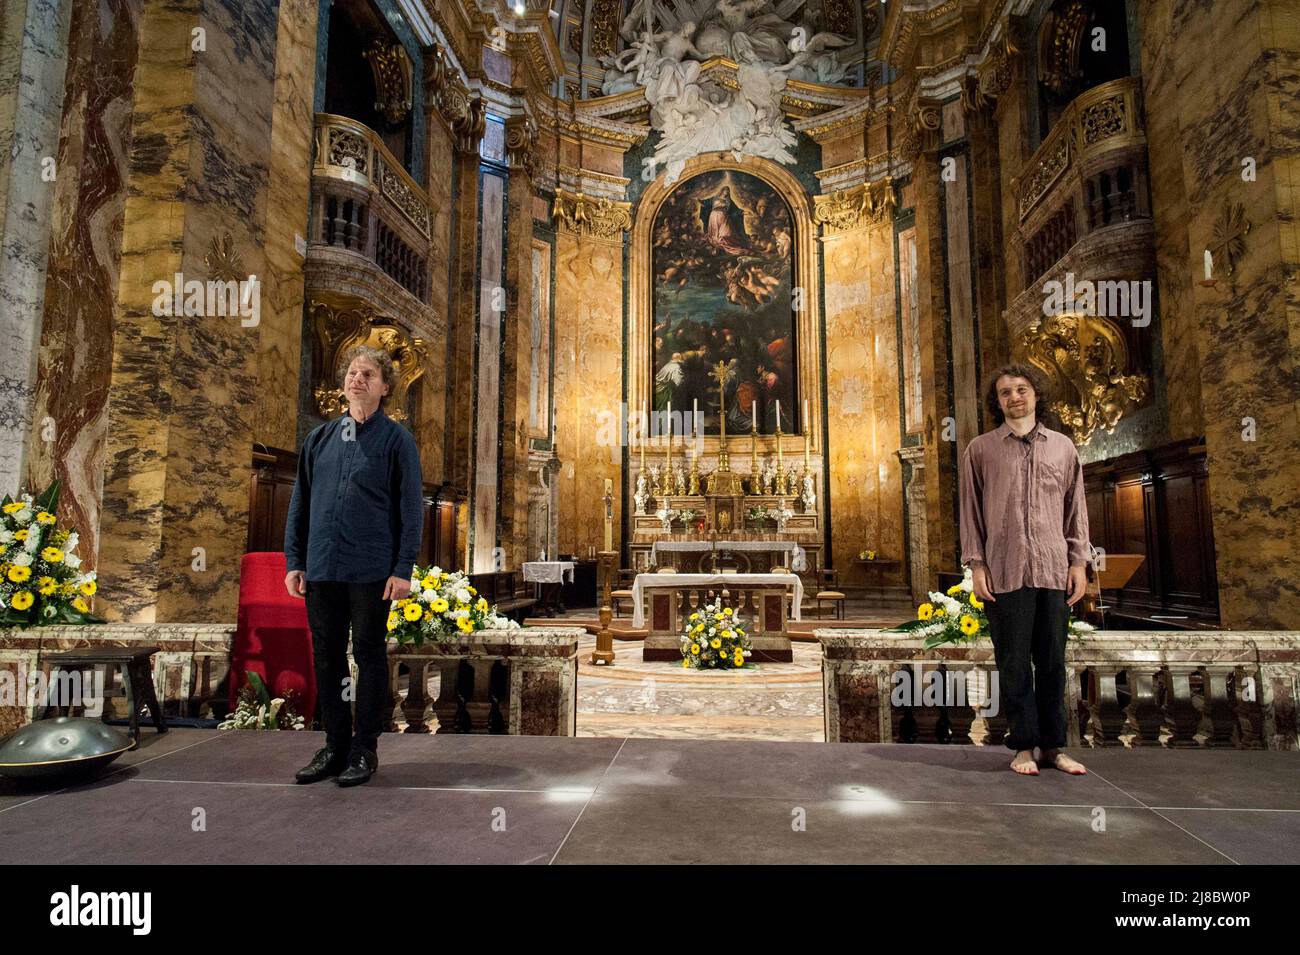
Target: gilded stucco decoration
pixel 392 72
pixel 1061 41
pixel 1085 359
pixel 855 207
pixel 521 143
pixel 592 217
pixel 335 328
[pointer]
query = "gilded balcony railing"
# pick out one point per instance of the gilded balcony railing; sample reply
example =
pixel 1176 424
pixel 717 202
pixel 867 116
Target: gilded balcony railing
pixel 365 202
pixel 1089 173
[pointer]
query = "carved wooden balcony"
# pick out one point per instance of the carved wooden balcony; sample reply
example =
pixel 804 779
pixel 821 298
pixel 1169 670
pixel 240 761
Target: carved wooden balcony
pixel 1083 205
pixel 371 223
pixel 1088 179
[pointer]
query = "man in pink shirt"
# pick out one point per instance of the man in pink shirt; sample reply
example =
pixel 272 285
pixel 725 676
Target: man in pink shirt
pixel 1024 533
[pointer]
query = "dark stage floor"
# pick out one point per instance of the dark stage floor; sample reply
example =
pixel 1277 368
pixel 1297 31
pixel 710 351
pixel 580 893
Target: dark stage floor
pixel 459 799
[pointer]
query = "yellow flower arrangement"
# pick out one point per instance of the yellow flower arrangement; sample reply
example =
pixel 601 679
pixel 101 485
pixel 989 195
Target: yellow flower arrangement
pixel 925 612
pixel 726 645
pixel 22 600
pixel 52 555
pixel 435 610
pixel 19 574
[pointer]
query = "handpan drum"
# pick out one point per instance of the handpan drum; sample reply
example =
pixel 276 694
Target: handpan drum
pixel 63 746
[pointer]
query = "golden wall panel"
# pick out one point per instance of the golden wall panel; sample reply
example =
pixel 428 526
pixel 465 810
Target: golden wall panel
pixel 588 382
pixel 866 492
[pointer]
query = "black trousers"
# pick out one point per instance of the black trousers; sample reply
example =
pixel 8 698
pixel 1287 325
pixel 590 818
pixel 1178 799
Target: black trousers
pixel 334 608
pixel 1029 626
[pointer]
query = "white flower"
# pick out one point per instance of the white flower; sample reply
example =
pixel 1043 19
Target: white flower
pixel 1080 627
pixel 72 560
pixel 33 543
pixel 428 595
pixel 458 614
pixel 71 542
pixel 6 536
pixel 23 516
pixel 22 559
pixel 435 571
pixel 462 596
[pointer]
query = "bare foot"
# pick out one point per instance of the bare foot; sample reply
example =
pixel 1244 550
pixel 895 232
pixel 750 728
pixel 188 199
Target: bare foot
pixel 1024 763
pixel 1066 764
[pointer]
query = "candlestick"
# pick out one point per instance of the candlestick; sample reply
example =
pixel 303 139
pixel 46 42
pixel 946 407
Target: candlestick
pixel 778 415
pixel 807 434
pixel 1209 265
pixel 667 469
pixel 755 481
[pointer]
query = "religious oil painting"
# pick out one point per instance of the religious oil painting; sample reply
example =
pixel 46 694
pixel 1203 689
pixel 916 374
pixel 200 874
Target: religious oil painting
pixel 722 261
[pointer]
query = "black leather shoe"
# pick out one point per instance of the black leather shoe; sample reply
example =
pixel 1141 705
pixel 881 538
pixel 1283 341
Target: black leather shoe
pixel 361 766
pixel 324 764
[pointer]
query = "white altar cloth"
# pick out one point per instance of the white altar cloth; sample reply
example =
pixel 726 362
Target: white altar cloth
pixel 548 571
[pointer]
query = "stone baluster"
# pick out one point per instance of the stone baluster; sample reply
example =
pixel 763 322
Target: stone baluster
pixel 908 731
pixel 1142 714
pixel 417 698
pixel 1105 718
pixel 1215 727
pixel 1248 717
pixel 498 683
pixel 978 698
pixel 1181 712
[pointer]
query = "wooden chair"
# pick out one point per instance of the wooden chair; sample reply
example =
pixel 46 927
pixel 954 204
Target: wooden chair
pixel 828 584
pixel 624 592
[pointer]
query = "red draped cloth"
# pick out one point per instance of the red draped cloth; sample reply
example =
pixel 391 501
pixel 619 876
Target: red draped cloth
pixel 272 638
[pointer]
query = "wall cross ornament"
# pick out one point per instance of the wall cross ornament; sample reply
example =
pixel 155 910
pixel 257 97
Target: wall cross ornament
pixel 1230 231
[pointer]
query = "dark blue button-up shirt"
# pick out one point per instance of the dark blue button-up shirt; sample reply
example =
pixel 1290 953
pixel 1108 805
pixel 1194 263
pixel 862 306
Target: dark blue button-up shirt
pixel 357 512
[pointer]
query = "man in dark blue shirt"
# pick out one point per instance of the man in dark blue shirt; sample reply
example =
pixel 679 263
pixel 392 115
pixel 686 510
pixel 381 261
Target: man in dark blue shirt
pixel 350 544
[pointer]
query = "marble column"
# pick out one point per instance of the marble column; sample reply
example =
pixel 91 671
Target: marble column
pixel 512 521
pixel 279 345
pixel 939 428
pixel 80 294
pixel 183 394
pixel 1225 153
pixel 33 63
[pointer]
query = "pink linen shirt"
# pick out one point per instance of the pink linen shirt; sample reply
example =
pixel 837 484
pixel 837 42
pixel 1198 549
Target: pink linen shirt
pixel 1023 510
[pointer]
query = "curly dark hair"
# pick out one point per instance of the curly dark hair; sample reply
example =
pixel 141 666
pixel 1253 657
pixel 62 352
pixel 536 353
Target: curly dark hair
pixel 1042 394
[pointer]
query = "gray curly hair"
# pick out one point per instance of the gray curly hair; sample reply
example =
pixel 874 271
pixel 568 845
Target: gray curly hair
pixel 377 357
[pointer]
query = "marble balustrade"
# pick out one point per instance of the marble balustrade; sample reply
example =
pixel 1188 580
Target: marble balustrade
pixel 190 669
pixel 517 682
pixel 507 681
pixel 1128 688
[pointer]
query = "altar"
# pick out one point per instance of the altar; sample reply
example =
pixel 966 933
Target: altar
pixel 763 601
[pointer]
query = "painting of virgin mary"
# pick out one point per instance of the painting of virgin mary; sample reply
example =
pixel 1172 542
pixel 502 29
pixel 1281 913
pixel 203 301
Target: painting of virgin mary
pixel 722 260
pixel 724 223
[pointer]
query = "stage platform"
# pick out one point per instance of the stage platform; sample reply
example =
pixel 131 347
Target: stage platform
pixel 499 799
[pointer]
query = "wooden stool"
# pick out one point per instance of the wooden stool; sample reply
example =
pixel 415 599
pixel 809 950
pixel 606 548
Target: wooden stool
pixel 137 678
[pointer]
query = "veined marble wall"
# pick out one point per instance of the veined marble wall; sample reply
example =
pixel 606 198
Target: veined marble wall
pixel 431 426
pixel 588 381
pixel 183 393
pixel 865 474
pixel 487 421
pixel 33 63
pixel 77 330
pixel 279 345
pixel 1241 334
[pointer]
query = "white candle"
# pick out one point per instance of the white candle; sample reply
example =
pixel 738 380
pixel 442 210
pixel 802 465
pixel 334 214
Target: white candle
pixel 695 414
pixel 778 414
pixel 670 424
pixel 753 414
pixel 1209 265
pixel 805 416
